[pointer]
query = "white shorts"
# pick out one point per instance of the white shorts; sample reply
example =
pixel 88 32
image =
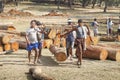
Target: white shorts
pixel 95 31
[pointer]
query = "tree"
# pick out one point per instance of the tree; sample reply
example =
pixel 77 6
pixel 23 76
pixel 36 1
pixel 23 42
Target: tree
pixel 70 2
pixel 84 3
pixel 106 5
pixel 100 3
pixel 94 2
pixel 58 4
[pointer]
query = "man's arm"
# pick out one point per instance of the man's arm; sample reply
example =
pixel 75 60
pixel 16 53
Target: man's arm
pixel 88 32
pixel 69 31
pixel 26 37
pixel 97 23
pixel 28 42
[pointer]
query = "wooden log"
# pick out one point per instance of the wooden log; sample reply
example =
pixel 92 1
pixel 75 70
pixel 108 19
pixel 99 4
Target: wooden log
pixel 115 45
pixel 113 51
pixel 47 43
pixel 95 52
pixel 1 48
pixel 6 27
pixel 95 40
pixel 5 39
pixel 7 47
pixel 22 44
pixel 58 53
pixel 63 42
pixel 107 38
pixel 14 45
pixel 52 34
pixel 22 33
pixel 10 32
pixel 89 42
pixel 118 37
pixel 37 74
pixel 56 42
pixel 113 54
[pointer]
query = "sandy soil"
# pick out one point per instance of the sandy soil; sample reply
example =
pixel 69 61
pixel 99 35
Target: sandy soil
pixel 15 65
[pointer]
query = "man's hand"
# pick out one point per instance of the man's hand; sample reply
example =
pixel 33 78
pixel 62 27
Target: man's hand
pixel 61 35
pixel 28 43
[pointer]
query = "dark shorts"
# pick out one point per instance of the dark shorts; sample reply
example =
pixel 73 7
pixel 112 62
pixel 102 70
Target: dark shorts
pixel 39 44
pixel 32 46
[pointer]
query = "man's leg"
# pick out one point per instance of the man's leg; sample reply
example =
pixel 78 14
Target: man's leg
pixel 79 50
pixel 110 30
pixel 94 32
pixel 39 55
pixel 80 54
pixel 40 50
pixel 29 53
pixel 67 48
pixel 71 49
pixel 36 55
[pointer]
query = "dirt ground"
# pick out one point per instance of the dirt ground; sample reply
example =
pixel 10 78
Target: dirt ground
pixel 16 67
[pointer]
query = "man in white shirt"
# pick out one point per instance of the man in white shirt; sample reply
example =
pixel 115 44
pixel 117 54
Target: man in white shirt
pixel 109 26
pixel 31 39
pixel 80 39
pixel 95 27
pixel 40 36
pixel 81 35
pixel 70 40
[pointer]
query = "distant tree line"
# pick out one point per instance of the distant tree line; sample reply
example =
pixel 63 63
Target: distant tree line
pixel 82 3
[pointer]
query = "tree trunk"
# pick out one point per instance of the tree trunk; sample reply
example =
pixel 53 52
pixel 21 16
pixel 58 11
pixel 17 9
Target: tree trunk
pixel 106 5
pixel 70 2
pixel 88 2
pixel 55 1
pixel 83 3
pixel 58 53
pixel 94 2
pixel 95 52
pixel 100 3
pixel 58 4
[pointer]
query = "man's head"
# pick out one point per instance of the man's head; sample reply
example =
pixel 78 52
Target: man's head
pixel 33 23
pixel 69 21
pixel 38 23
pixel 95 19
pixel 80 22
pixel 109 19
